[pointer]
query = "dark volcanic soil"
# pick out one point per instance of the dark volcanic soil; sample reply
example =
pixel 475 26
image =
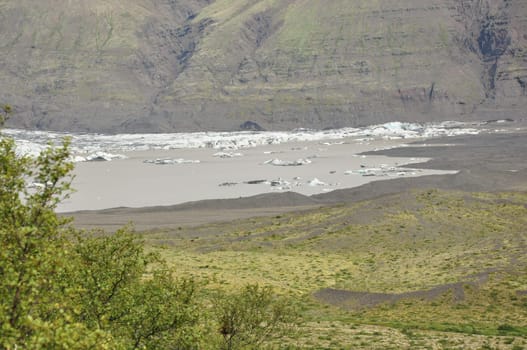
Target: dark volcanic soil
pixel 358 300
pixel 488 162
pixel 353 300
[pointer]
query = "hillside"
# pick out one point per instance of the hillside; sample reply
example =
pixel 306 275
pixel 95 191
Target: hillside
pixel 423 269
pixel 166 65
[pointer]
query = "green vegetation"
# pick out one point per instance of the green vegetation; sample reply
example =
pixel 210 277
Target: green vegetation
pixel 403 243
pixel 64 289
pixel 252 316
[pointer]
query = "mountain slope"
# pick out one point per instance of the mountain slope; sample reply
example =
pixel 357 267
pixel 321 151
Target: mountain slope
pixel 167 65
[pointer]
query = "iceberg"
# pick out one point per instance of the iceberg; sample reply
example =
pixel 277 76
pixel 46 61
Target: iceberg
pixel 99 156
pixel 169 161
pixel 227 154
pixel 298 162
pixel 280 184
pixel 316 182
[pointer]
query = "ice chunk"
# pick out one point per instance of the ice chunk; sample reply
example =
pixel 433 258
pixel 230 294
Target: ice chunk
pixel 316 182
pixel 169 161
pixel 227 154
pixel 298 162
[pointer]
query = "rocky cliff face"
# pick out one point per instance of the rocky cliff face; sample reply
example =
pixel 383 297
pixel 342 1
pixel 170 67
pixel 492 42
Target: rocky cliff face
pixel 167 65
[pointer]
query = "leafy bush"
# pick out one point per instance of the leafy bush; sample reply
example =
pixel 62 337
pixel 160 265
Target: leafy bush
pixel 65 289
pixel 252 316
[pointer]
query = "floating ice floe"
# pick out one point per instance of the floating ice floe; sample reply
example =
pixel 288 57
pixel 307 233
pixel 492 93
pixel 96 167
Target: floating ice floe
pixel 383 170
pixel 227 154
pixel 298 162
pixel 316 182
pixel 280 184
pixel 98 157
pixel 334 143
pixel 169 161
pixel 78 159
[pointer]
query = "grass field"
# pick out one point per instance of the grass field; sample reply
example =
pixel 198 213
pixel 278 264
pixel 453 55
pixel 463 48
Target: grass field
pixel 436 269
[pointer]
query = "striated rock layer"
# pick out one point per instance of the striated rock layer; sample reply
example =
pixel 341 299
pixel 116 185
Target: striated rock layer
pixel 186 65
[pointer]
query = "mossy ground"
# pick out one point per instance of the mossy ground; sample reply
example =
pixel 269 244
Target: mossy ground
pixel 395 244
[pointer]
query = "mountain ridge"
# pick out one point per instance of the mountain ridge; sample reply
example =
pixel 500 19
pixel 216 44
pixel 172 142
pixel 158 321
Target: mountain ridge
pixel 193 65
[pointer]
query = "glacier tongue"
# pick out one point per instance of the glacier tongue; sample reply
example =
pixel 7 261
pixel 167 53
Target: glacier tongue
pixel 89 146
